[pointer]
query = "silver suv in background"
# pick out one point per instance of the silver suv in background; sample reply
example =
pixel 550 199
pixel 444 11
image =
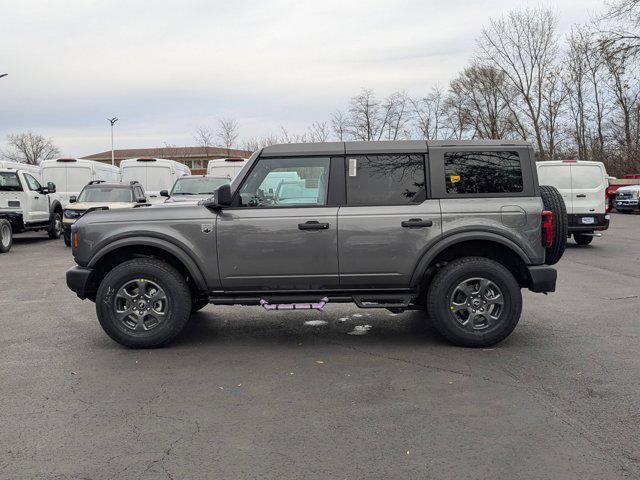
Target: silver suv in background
pixel 452 229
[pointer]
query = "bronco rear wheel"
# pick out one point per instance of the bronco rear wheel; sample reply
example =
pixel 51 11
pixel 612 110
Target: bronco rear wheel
pixel 474 302
pixel 552 201
pixel 143 303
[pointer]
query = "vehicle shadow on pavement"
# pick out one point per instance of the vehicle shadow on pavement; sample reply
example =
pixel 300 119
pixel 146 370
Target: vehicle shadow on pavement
pixel 293 327
pixel 18 240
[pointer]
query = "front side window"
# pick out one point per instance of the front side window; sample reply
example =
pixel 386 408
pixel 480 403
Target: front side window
pixel 385 179
pixel 482 172
pixel 283 182
pixel 106 195
pixel 9 182
pixel 33 184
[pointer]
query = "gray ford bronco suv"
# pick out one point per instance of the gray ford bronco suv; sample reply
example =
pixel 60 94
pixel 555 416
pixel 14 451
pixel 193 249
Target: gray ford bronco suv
pixel 452 228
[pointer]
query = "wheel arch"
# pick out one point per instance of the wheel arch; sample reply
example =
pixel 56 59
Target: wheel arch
pixel 136 247
pixel 477 244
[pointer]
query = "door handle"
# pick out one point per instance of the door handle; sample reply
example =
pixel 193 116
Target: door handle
pixel 416 223
pixel 313 225
pixel 581 195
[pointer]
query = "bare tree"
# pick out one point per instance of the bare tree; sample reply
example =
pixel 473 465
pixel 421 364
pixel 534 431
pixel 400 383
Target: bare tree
pixel 396 116
pixel 429 113
pixel 364 116
pixel 30 148
pixel 339 125
pixel 620 27
pixel 523 44
pixel 204 137
pixel 319 132
pixel 228 132
pixel 485 97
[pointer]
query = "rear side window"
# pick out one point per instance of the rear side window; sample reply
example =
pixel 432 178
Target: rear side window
pixel 483 172
pixel 587 176
pixel 385 179
pixel 558 176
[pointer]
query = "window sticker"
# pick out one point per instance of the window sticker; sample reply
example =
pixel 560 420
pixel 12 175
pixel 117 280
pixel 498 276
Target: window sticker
pixel 454 178
pixel 352 167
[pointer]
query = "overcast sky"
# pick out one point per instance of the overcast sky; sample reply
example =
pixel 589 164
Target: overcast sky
pixel 165 68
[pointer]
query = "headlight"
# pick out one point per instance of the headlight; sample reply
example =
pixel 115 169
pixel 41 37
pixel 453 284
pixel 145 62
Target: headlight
pixel 72 214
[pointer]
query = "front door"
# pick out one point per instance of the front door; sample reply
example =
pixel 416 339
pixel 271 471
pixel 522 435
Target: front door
pixel 37 203
pixel 280 234
pixel 387 222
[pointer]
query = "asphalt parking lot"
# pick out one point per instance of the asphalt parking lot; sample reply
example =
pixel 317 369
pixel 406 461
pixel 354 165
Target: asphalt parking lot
pixel 248 394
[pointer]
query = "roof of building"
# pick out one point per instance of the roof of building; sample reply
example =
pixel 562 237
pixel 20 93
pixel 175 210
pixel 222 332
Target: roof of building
pixel 169 152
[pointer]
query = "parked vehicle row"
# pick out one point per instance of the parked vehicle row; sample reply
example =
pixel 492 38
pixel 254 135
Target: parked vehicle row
pixel 452 229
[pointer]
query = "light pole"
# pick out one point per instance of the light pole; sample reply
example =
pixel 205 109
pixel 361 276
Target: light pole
pixel 112 121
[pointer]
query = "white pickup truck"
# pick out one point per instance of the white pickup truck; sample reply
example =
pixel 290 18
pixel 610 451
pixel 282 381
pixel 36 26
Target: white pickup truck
pixel 25 205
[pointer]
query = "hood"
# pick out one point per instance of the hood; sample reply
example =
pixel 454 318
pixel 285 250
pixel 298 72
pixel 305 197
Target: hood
pixel 629 188
pixel 147 214
pixel 88 205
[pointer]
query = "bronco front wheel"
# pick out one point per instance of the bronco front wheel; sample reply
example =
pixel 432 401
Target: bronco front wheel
pixel 143 303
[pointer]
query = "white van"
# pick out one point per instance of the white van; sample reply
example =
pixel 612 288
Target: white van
pixel 583 186
pixel 71 175
pixel 32 169
pixel 225 167
pixel 155 174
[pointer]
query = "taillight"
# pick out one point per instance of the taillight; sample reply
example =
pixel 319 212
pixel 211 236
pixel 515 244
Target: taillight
pixel 547 228
pixel 606 200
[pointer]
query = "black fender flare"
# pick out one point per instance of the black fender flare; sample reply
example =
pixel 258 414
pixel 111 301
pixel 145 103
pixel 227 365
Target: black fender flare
pixel 55 205
pixel 449 241
pixel 170 248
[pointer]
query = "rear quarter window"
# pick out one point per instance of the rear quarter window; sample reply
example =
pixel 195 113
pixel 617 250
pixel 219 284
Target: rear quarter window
pixel 483 172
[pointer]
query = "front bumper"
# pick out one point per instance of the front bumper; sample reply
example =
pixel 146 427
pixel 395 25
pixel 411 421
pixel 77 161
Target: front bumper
pixel 627 205
pixel 78 280
pixel 542 279
pixel 576 222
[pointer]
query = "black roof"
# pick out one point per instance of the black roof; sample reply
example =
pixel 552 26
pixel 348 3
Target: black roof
pixel 396 146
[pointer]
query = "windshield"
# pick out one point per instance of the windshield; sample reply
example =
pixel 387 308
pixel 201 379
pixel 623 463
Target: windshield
pixel 197 186
pixel 9 182
pixel 106 194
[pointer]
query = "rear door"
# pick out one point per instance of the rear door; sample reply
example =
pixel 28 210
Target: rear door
pixel 271 243
pixel 558 175
pixel 588 187
pixel 387 221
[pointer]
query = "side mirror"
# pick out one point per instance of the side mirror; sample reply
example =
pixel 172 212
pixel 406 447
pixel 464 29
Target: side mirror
pixel 73 199
pixel 164 193
pixel 51 187
pixel 141 200
pixel 221 197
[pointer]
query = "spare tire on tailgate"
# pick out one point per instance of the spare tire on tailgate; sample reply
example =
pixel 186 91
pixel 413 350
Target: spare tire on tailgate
pixel 553 202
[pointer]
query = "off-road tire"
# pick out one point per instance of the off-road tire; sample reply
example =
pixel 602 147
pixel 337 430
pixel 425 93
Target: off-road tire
pixel 6 236
pixel 552 201
pixel 449 277
pixel 55 227
pixel 582 239
pixel 159 272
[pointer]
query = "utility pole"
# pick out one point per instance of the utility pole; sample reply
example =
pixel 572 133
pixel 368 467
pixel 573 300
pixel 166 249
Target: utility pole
pixel 112 121
pixel 3 75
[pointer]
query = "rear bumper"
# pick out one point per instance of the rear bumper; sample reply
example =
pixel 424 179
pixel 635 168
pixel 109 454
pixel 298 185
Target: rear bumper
pixel 542 279
pixel 78 280
pixel 576 222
